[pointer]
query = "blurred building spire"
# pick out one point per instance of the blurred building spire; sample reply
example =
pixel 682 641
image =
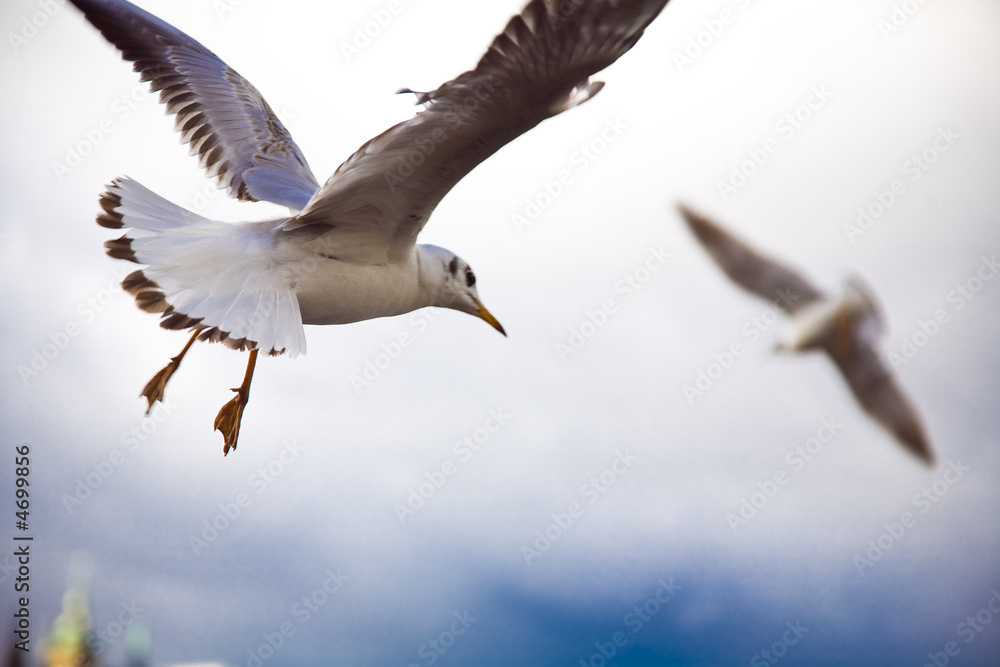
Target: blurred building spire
pixel 68 643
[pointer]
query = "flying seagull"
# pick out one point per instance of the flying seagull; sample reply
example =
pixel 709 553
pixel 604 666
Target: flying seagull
pixel 347 252
pixel 847 328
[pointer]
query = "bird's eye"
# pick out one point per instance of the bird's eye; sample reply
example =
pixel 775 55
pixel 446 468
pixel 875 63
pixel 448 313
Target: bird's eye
pixel 470 278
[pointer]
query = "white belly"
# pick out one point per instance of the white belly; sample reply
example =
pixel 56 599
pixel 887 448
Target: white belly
pixel 334 292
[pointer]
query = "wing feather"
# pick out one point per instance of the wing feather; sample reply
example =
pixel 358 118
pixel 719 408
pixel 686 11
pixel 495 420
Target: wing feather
pixel 225 121
pixel 749 269
pixel 381 197
pixel 875 388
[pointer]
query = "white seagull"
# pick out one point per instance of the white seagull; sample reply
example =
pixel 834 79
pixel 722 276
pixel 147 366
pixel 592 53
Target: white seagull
pixel 847 328
pixel 348 250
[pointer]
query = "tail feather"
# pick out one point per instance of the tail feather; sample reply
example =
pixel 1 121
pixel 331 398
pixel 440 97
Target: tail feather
pixel 219 278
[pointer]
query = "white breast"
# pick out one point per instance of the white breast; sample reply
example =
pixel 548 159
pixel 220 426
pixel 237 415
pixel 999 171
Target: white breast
pixel 330 291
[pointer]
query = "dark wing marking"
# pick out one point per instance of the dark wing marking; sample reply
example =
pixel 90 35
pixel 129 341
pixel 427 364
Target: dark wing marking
pixel 540 65
pixel 874 386
pixel 748 268
pixel 229 125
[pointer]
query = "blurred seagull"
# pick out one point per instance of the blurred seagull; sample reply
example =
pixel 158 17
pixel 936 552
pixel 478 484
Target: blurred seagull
pixel 348 250
pixel 847 328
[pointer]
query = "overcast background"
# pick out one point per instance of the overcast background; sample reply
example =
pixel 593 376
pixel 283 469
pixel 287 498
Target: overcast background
pixel 663 130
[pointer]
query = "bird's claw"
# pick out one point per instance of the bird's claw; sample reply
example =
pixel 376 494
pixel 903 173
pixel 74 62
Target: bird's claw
pixel 228 420
pixel 153 391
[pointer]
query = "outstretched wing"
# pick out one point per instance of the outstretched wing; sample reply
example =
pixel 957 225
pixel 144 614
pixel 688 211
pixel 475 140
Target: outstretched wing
pixel 539 66
pixel 228 124
pixel 748 268
pixel 874 385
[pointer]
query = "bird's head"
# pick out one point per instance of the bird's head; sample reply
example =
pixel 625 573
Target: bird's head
pixel 453 283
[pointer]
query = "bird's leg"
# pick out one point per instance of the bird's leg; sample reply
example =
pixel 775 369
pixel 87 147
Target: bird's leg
pixel 153 391
pixel 228 419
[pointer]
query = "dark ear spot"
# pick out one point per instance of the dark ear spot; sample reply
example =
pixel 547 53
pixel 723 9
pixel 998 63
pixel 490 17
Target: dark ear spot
pixel 470 278
pixel 453 266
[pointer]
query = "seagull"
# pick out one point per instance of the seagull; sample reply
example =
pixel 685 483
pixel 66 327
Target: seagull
pixel 347 251
pixel 847 328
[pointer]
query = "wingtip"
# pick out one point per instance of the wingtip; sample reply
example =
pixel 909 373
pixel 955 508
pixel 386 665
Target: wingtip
pixel 924 453
pixel 709 233
pixel 912 438
pixel 693 219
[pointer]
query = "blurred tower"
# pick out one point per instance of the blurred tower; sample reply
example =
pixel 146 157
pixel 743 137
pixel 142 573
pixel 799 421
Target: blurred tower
pixel 68 643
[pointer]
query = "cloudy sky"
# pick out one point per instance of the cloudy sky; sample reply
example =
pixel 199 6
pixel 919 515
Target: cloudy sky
pixel 420 490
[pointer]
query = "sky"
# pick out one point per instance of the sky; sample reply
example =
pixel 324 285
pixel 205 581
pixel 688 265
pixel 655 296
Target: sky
pixel 633 476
